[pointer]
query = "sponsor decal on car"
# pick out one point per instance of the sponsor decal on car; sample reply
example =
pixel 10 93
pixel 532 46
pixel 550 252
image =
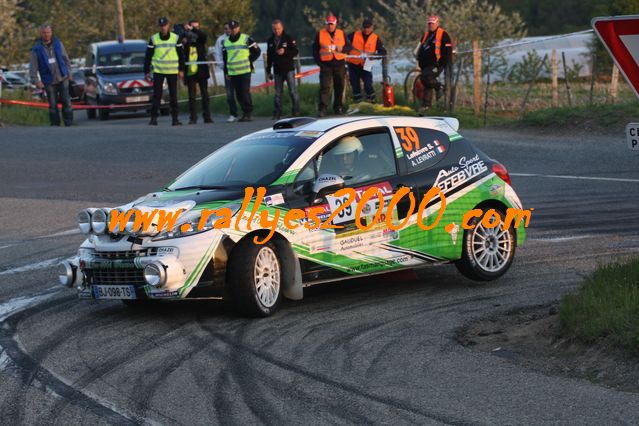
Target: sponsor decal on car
pixel 450 179
pixel 274 200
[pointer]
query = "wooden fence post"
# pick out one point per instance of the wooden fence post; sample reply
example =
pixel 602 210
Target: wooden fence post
pixel 487 86
pixel 563 59
pixel 614 84
pixel 554 79
pixel 476 78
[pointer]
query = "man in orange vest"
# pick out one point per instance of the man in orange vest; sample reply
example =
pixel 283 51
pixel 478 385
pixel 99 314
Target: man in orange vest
pixel 364 43
pixel 433 53
pixel 329 50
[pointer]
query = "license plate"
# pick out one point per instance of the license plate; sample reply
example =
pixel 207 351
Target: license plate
pixel 132 99
pixel 114 291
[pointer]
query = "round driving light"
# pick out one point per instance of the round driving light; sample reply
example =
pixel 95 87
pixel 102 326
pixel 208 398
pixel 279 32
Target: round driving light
pixel 66 274
pixel 155 274
pixel 99 221
pixel 84 221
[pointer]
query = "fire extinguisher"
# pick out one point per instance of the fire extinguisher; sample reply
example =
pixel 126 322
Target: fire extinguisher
pixel 389 94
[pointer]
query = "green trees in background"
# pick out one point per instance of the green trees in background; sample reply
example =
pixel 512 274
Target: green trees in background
pixel 81 22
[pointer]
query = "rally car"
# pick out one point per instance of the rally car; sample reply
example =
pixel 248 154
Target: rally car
pixel 303 162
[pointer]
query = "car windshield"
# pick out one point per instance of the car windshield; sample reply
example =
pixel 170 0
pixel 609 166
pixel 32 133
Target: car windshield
pixel 121 62
pixel 256 160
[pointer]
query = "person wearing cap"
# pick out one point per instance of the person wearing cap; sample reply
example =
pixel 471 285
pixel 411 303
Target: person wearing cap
pixel 194 42
pixel 165 57
pixel 364 43
pixel 239 52
pixel 433 53
pixel 280 56
pixel 330 47
pixel 219 59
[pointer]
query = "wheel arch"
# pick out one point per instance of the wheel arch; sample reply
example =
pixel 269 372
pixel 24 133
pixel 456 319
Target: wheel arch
pixel 292 287
pixel 497 205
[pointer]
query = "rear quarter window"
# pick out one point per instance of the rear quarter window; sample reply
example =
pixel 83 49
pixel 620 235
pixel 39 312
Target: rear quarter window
pixel 421 148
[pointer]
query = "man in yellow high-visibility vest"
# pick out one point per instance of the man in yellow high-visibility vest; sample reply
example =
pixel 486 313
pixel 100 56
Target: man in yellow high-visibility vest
pixel 165 57
pixel 240 51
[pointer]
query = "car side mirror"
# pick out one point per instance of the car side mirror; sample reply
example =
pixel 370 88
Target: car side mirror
pixel 326 184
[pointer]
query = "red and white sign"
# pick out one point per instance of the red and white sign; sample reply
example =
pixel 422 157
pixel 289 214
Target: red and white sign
pixel 620 35
pixel 130 84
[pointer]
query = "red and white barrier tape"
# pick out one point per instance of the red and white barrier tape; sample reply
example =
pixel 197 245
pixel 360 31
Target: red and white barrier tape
pixel 80 106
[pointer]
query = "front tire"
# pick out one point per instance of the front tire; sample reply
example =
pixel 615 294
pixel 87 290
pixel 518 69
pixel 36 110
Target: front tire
pixel 487 252
pixel 255 278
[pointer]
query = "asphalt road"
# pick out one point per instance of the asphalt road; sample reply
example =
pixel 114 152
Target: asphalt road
pixel 365 351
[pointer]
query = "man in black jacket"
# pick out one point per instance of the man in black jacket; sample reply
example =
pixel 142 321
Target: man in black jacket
pixel 280 54
pixel 194 41
pixel 240 51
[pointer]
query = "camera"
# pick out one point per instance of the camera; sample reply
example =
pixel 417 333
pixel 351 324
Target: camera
pixel 183 33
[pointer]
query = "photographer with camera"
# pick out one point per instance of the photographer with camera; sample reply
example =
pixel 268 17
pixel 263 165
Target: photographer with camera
pixel 194 41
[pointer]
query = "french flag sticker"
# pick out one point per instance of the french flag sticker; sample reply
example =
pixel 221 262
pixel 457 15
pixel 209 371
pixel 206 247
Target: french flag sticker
pixel 439 146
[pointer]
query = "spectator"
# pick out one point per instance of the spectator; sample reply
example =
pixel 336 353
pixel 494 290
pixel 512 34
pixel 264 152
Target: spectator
pixel 281 51
pixel 240 51
pixel 49 59
pixel 433 53
pixel 219 58
pixel 165 56
pixel 365 43
pixel 196 74
pixel 329 50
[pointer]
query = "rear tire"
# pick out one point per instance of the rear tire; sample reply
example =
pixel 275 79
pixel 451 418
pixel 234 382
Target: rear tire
pixel 255 278
pixel 487 252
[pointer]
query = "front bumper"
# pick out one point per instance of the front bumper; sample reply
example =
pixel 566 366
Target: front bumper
pixel 193 266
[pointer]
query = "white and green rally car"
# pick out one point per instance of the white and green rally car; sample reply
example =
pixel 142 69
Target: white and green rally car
pixel 302 162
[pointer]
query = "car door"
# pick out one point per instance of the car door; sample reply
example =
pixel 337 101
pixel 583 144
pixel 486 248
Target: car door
pixel 431 160
pixel 363 160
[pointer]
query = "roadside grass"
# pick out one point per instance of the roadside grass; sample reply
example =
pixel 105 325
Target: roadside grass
pixel 21 115
pixel 606 307
pixel 584 118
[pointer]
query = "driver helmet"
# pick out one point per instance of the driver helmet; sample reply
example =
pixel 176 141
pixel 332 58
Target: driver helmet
pixel 347 151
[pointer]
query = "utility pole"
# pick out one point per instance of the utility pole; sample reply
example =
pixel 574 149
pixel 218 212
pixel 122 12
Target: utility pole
pixel 120 20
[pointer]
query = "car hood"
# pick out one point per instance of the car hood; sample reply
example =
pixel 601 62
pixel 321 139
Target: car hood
pixel 198 197
pixel 117 78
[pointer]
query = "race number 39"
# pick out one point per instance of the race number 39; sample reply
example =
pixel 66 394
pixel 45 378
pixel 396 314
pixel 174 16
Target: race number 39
pixel 408 137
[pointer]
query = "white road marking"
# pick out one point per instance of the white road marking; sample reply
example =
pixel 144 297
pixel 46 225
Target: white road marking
pixel 62 233
pixel 16 304
pixel 32 266
pixel 561 239
pixel 10 245
pixel 607 179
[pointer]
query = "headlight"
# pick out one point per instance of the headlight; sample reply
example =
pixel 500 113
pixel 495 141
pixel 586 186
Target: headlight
pixel 66 274
pixel 84 221
pixel 109 88
pixel 99 221
pixel 155 274
pixel 193 220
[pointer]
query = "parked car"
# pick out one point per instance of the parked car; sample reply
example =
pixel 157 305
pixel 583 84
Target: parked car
pixel 115 76
pixel 302 162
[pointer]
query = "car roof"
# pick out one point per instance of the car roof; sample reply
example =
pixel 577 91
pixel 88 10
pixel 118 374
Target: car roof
pixel 324 125
pixel 112 46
